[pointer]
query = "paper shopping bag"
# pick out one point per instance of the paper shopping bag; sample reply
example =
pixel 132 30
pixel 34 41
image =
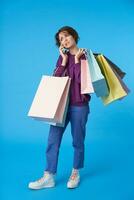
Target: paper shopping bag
pixel 63 106
pixel 86 83
pixel 127 90
pixel 118 70
pixel 116 91
pixel 62 124
pixel 98 80
pixel 50 100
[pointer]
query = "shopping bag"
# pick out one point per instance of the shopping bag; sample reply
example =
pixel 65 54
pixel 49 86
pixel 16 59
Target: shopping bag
pixel 98 80
pixel 63 107
pixel 118 70
pixel 116 91
pixel 86 83
pixel 61 124
pixel 125 87
pixel 51 100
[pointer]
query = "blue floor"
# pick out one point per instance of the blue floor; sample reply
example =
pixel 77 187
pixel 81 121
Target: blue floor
pixel 108 172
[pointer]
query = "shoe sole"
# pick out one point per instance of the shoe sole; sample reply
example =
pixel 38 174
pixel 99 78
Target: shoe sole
pixel 38 188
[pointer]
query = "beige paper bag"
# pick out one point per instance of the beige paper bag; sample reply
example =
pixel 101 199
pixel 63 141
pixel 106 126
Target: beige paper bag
pixel 50 99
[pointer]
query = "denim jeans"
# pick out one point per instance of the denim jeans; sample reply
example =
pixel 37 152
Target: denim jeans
pixel 77 116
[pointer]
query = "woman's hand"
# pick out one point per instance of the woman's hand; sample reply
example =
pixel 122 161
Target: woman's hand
pixel 64 56
pixel 78 55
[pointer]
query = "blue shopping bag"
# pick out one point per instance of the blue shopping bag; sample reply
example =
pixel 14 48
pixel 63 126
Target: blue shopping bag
pixel 98 80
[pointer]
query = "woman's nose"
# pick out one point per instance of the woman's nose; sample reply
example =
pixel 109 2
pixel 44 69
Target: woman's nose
pixel 64 40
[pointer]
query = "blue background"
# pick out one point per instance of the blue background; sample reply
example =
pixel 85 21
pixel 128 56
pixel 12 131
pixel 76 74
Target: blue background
pixel 27 52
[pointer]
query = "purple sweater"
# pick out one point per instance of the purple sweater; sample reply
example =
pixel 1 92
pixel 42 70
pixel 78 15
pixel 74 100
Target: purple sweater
pixel 73 71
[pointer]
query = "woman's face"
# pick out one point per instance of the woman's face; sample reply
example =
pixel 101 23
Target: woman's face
pixel 66 40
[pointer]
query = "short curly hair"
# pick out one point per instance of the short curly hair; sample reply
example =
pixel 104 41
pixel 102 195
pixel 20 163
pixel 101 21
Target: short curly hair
pixel 69 30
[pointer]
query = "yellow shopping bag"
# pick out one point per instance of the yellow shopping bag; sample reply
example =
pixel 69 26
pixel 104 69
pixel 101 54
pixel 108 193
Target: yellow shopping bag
pixel 116 91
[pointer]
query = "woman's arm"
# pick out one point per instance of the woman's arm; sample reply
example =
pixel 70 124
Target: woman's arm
pixel 60 67
pixel 61 63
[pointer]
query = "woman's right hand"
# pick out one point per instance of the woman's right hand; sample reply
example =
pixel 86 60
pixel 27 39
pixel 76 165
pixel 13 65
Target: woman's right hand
pixel 64 56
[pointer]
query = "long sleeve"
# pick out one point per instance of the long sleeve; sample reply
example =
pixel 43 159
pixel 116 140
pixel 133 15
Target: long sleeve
pixel 58 71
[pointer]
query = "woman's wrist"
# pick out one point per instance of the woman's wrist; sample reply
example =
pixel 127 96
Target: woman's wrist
pixel 76 60
pixel 64 62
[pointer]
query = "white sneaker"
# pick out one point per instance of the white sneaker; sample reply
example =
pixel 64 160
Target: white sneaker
pixel 47 181
pixel 74 179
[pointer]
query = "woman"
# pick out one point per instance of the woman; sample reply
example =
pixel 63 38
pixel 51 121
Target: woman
pixel 68 64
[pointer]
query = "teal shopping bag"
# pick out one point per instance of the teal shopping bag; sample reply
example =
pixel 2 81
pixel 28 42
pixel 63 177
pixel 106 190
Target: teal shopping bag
pixel 98 80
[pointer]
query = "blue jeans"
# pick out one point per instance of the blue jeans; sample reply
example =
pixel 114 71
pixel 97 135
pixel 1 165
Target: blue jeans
pixel 77 116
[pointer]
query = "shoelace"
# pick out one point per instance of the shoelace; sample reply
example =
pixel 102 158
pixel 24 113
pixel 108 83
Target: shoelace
pixel 42 178
pixel 73 176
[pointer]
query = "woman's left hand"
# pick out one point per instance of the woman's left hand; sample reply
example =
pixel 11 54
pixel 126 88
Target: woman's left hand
pixel 78 55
